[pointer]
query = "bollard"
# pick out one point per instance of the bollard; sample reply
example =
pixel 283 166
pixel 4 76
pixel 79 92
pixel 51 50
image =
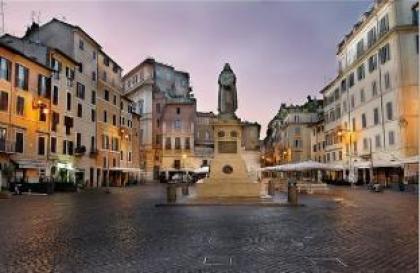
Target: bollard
pixel 185 189
pixel 292 195
pixel 271 188
pixel 171 193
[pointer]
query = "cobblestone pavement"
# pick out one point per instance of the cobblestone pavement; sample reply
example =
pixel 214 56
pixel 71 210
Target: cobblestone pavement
pixel 359 231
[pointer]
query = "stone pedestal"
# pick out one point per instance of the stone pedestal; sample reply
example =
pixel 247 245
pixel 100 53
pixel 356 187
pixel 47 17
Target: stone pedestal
pixel 228 172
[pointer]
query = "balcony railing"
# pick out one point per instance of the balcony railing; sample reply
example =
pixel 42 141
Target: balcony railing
pixel 7 147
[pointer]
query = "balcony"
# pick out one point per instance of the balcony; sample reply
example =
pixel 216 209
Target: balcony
pixel 7 147
pixel 80 150
pixel 93 152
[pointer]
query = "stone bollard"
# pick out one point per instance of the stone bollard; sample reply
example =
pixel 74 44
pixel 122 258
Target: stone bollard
pixel 171 193
pixel 185 189
pixel 292 195
pixel 271 188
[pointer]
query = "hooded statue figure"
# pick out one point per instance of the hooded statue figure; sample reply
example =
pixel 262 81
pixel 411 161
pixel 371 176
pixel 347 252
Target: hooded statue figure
pixel 228 101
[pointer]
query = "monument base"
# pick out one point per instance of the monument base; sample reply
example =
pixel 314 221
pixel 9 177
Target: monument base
pixel 212 189
pixel 228 172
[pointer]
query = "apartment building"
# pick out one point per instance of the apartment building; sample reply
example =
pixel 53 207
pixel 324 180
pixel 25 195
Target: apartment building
pixel 289 133
pixel 24 119
pixel 92 136
pixel 204 138
pixel 151 85
pixel 372 107
pixel 78 45
pixel 318 142
pixel 178 125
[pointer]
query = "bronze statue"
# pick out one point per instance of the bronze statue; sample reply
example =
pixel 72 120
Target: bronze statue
pixel 228 101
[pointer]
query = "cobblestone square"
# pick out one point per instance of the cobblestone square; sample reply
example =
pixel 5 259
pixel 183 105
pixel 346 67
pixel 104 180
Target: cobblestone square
pixel 355 231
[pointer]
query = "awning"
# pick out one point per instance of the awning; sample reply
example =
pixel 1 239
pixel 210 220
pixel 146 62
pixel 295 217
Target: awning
pixel 377 164
pixel 302 166
pixel 31 164
pixel 204 169
pixel 411 160
pixel 126 170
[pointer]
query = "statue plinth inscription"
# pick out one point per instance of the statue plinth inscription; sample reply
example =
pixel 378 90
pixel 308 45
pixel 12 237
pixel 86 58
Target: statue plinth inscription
pixel 227 147
pixel 228 172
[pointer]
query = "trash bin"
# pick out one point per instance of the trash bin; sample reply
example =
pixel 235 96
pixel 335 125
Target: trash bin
pixel 171 193
pixel 292 196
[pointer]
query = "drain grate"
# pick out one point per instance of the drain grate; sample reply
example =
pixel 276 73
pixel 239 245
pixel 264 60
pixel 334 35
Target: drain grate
pixel 217 260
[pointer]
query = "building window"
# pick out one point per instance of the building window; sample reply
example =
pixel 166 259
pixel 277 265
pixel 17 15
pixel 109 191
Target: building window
pixel 352 102
pixel 177 143
pixel 371 37
pixel 168 143
pixel 41 145
pixel 364 121
pixel 20 106
pixel 80 67
pixel 79 110
pixel 389 112
pixel 43 89
pixel 157 123
pixel 187 143
pixel 105 117
pixel 106 95
pixel 94 55
pixel 5 69
pixel 384 54
pixel 387 81
pixel 93 76
pixel 93 115
pixel 351 79
pixel 417 44
pixel 93 97
pixel 353 124
pixel 178 110
pixel 19 142
pixel 22 76
pixel 373 63
pixel 361 72
pixel 81 45
pixel 114 100
pixel 360 48
pixel 121 155
pixel 343 85
pixel 391 137
pixel 53 145
pixel 80 91
pixel 365 144
pixel 383 25
pixel 362 96
pixel 55 121
pixel 68 101
pixel 55 95
pixel 78 140
pixel 42 115
pixel 177 124
pixel 114 120
pixel 355 147
pixel 374 89
pixel 375 116
pixel 377 141
pixel 129 156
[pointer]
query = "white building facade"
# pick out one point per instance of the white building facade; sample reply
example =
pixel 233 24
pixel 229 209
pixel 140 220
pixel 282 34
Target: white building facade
pixel 371 108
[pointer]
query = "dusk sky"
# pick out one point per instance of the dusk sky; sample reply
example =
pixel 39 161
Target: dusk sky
pixel 280 51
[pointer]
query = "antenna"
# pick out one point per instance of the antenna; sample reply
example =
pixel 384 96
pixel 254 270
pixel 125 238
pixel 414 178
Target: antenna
pixel 2 16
